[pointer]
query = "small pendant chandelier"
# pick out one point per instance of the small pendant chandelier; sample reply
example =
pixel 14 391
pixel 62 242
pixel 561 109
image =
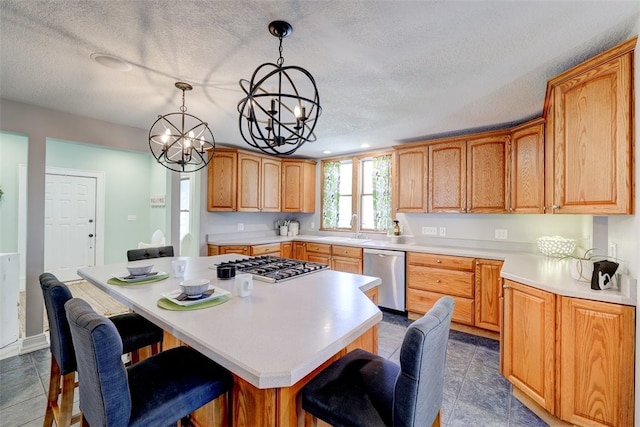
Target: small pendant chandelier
pixel 180 141
pixel 282 106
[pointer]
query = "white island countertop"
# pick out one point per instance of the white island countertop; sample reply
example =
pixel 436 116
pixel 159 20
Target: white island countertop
pixel 272 338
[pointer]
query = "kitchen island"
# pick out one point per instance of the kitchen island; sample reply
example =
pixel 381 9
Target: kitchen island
pixel 273 341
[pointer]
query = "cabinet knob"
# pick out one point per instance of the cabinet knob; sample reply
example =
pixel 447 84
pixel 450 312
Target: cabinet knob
pixel 438 281
pixel 555 206
pixel 438 261
pixel 505 287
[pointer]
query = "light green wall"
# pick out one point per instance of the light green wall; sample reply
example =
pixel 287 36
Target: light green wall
pixel 13 152
pixel 130 179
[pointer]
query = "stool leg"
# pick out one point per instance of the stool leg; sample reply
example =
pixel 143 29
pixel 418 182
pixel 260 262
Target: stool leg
pixel 54 392
pixel 66 403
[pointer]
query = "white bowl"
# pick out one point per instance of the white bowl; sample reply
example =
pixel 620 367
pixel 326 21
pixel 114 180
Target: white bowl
pixel 194 287
pixel 139 269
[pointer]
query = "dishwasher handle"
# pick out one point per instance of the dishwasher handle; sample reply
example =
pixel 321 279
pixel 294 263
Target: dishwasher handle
pixel 383 252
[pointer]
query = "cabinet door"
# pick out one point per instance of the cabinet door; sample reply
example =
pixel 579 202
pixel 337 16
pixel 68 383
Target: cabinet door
pixel 596 362
pixel 348 265
pixel 270 185
pixel 488 292
pixel 300 251
pixel 222 184
pixel 487 179
pixel 528 346
pixel 319 258
pixel 591 138
pixel 298 186
pixel 286 249
pixel 410 180
pixel 527 169
pixel 447 177
pixel 248 183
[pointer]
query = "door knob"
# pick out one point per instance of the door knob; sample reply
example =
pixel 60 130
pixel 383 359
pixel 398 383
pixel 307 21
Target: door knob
pixel 90 235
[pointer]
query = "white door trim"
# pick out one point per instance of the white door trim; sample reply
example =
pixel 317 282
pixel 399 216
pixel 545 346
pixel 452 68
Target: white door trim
pixel 100 203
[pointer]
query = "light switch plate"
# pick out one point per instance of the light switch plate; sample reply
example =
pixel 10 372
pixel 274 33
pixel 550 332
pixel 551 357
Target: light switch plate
pixel 442 231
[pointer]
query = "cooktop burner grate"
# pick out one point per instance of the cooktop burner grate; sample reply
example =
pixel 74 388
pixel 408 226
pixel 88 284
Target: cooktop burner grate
pixel 272 269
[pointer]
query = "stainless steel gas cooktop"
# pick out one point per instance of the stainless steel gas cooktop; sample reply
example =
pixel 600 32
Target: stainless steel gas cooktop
pixel 274 269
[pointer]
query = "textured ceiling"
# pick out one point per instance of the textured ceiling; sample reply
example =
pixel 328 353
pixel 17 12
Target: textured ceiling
pixel 387 71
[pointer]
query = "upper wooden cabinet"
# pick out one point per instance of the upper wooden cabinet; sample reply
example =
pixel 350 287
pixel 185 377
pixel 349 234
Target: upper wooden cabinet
pixel 589 165
pixel 448 177
pixel 258 183
pixel 410 179
pixel 487 178
pixel 222 180
pixel 527 168
pixel 298 185
pixel 469 175
pixel 250 182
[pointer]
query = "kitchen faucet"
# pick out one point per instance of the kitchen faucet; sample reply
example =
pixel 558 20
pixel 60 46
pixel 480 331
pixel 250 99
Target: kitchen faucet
pixel 355 217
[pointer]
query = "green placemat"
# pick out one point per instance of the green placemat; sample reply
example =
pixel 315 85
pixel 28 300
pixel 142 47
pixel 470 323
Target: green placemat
pixel 116 281
pixel 170 305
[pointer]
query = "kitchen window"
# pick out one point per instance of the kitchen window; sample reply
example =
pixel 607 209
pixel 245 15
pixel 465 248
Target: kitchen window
pixel 359 185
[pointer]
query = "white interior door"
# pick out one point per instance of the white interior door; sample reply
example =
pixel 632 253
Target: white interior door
pixel 70 224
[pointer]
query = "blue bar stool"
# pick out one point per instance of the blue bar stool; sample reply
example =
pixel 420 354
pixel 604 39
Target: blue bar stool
pixel 363 389
pixel 159 390
pixel 136 332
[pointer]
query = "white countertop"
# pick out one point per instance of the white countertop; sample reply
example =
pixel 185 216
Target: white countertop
pixel 546 273
pixel 272 338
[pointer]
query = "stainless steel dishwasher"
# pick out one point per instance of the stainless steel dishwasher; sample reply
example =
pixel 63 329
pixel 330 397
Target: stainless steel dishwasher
pixel 388 266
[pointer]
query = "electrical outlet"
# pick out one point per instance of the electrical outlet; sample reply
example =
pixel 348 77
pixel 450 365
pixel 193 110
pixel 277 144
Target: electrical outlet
pixel 501 234
pixel 240 227
pixel 430 231
pixel 313 225
pixel 442 231
pixel 131 218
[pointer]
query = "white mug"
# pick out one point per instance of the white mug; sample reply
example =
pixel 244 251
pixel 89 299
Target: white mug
pixel 178 267
pixel 244 284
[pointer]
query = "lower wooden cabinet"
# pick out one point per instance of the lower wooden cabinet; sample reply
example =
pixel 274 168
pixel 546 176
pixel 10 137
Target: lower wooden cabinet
pixel 596 362
pixel 528 342
pixel 340 258
pixel 266 249
pixel 488 292
pixel 572 357
pixel 233 249
pixel 346 258
pixel 429 277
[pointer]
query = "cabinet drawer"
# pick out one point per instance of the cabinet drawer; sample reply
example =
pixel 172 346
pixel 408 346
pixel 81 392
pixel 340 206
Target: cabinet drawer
pixel 441 261
pixel 319 248
pixel 268 248
pixel 346 251
pixel 421 301
pixel 449 282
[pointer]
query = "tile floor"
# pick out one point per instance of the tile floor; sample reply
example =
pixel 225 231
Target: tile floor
pixel 475 393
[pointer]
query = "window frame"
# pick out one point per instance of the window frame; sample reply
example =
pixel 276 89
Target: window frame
pixel 356 190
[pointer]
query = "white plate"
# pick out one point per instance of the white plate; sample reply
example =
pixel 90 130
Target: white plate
pixel 171 296
pixel 132 279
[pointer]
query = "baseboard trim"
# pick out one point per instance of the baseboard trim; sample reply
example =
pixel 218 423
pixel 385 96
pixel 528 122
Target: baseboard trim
pixel 33 343
pixel 10 350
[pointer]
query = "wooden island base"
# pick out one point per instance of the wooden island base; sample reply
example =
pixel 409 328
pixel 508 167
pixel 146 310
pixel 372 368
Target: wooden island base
pixel 273 407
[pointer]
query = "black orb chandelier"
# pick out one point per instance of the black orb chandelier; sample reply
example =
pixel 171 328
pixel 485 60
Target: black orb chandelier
pixel 180 141
pixel 282 106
